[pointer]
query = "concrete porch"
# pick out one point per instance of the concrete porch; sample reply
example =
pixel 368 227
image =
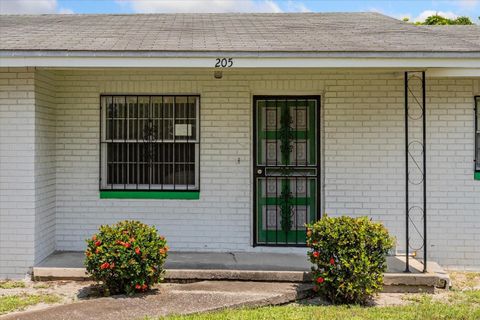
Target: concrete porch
pixel 243 266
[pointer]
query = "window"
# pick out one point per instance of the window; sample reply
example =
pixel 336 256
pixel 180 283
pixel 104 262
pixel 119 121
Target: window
pixel 149 143
pixel 477 137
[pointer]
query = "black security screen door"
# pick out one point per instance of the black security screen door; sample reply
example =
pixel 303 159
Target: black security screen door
pixel 286 168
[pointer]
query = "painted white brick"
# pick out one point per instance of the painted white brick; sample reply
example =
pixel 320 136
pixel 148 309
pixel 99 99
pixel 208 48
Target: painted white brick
pixel 363 151
pixel 17 185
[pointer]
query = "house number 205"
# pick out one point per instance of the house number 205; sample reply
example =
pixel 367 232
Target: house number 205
pixel 224 62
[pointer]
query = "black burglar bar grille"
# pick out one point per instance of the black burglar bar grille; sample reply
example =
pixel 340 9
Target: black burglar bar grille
pixel 149 142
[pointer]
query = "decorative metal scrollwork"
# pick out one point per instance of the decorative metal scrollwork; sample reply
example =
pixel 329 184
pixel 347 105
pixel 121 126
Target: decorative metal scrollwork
pixel 415 166
pixel 286 137
pixel 150 136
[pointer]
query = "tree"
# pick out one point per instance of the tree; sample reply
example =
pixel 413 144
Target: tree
pixel 463 21
pixel 439 20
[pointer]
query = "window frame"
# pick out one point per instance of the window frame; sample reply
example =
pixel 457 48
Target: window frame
pixel 141 191
pixel 477 138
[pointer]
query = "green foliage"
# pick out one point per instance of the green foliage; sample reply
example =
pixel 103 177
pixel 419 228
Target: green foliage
pixel 439 20
pixel 126 257
pixel 349 257
pixel 11 284
pixel 463 21
pixel 20 301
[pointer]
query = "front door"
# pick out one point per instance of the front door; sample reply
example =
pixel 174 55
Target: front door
pixel 286 168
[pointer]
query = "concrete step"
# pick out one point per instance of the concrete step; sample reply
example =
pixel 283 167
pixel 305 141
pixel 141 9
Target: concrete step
pixel 393 282
pixel 264 267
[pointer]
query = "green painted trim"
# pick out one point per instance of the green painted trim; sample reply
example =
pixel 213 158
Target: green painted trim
pixel 477 176
pixel 180 195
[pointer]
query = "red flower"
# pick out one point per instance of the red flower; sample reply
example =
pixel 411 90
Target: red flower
pixel 138 286
pixel 105 265
pixel 316 254
pixel 332 261
pixel 144 287
pixel 320 280
pixel 137 250
pixel 97 250
pixel 112 265
pixel 127 245
pixel 98 243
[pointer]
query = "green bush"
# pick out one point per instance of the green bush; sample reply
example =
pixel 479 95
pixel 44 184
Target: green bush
pixel 126 257
pixel 349 257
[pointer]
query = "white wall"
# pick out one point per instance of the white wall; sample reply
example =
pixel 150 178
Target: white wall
pixel 27 169
pixel 364 156
pixel 44 164
pixel 17 181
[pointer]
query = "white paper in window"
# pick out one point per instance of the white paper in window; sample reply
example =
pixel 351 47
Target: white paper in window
pixel 182 130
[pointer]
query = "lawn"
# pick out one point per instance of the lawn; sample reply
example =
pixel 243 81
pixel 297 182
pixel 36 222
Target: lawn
pixel 454 305
pixel 11 284
pixel 17 302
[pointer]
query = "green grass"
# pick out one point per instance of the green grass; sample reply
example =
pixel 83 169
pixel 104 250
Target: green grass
pixel 11 284
pixel 41 286
pixel 460 305
pixel 20 301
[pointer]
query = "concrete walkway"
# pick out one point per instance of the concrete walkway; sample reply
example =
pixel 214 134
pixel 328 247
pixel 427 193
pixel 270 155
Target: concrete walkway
pixel 174 299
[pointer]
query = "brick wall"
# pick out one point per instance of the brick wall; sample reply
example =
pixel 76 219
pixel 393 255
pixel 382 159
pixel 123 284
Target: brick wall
pixel 17 181
pixel 220 220
pixel 44 164
pixel 363 127
pixel 454 196
pixel 364 156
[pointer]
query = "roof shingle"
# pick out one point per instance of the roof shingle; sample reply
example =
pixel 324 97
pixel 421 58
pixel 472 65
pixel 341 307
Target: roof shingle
pixel 287 32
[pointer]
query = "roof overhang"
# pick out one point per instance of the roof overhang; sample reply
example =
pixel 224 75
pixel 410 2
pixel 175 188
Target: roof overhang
pixel 112 59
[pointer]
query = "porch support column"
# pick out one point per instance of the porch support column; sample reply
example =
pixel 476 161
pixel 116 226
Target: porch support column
pixel 415 167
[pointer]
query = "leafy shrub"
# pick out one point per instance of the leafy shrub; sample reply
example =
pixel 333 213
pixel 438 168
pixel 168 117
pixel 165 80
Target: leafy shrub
pixel 126 257
pixel 349 257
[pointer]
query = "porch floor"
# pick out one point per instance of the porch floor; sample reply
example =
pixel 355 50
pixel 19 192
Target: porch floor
pixel 226 261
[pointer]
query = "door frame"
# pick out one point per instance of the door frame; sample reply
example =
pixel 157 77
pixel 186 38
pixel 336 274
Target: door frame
pixel 254 162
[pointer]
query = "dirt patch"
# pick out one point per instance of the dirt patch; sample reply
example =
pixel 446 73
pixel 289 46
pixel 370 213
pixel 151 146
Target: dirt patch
pixel 381 300
pixel 465 280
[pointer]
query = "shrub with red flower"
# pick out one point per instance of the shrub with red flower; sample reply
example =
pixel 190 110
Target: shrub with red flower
pixel 126 257
pixel 348 257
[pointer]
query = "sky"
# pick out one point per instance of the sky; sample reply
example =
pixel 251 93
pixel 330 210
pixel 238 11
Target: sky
pixel 415 10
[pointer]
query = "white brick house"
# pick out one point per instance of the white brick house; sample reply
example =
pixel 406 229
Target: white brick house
pixel 77 151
